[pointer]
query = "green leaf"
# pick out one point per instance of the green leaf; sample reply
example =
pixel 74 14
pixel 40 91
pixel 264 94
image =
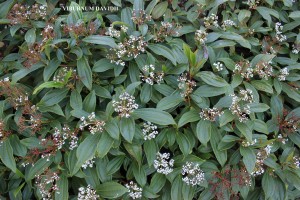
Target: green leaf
pixel 30 36
pixel 236 37
pixel 112 128
pixel 86 150
pixel 215 140
pixel 111 190
pixel 176 189
pixel 222 43
pixel 76 100
pixel 249 158
pixel 154 115
pixel 190 116
pixel 258 107
pixel 84 72
pixel 268 185
pixel 211 79
pixel 127 128
pixel 169 102
pixel 203 131
pixel 159 10
pixel 63 186
pixel 209 91
pixel 260 126
pixel 150 148
pixel 39 167
pixel 50 84
pixel 163 51
pixel 6 154
pixel 266 13
pixel 53 97
pixel 245 130
pixel 157 182
pixel 25 71
pixel 89 103
pixel 102 40
pixel 184 144
pixel 104 145
pixel 135 151
pixel 262 85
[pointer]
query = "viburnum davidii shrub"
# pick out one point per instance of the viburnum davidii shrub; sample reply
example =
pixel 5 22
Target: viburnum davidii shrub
pixel 155 99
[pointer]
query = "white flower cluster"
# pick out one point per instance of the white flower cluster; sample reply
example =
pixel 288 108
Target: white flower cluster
pixel 126 105
pixel 131 47
pixel 228 23
pixel 261 155
pixel 95 125
pixel 140 17
pixel 296 161
pixel 112 32
pixel 296 48
pixel 87 193
pixel 212 20
pixel 59 138
pixel 239 109
pixel 282 139
pixel 293 125
pixel 21 99
pixel 279 36
pixel 163 164
pixel 135 192
pixel 170 29
pixel 149 130
pixel 47 184
pixel 6 79
pixel 264 70
pixel 60 76
pixel 150 76
pixel 210 114
pixel 253 3
pixel 192 174
pixel 219 66
pixel 244 69
pixel 185 85
pixel 283 73
pixel 88 163
pixel 200 36
pixel 1 131
pixel 247 143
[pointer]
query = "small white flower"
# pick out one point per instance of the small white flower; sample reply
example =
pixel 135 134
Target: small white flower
pixel 211 113
pixel 192 174
pixel 87 193
pixel 163 164
pixel 149 131
pixel 126 105
pixel 88 163
pixel 200 36
pixel 135 192
pixel 219 66
pixel 283 73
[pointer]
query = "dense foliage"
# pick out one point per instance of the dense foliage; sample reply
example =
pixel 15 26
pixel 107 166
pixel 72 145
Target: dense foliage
pixel 155 99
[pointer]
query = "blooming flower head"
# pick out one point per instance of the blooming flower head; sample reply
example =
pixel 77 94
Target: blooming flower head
pixel 200 36
pixel 149 130
pixel 192 174
pixel 87 193
pixel 88 163
pixel 210 114
pixel 239 105
pixel 135 192
pixel 163 164
pixel 283 73
pixel 150 76
pixel 125 105
pixel 94 124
